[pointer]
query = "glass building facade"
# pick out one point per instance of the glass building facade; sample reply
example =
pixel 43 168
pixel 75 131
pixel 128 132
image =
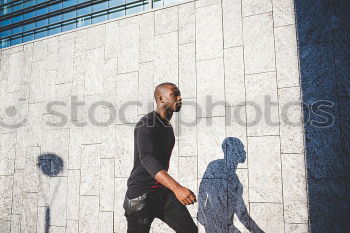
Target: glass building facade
pixel 26 20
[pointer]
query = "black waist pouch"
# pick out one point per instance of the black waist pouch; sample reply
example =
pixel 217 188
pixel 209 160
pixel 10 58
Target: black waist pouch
pixel 132 205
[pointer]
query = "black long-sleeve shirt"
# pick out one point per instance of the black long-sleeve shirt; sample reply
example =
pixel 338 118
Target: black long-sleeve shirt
pixel 153 143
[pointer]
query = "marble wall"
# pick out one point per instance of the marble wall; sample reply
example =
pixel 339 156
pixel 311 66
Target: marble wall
pixel 233 53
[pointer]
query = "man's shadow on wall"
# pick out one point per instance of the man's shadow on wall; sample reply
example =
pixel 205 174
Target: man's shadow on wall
pixel 220 194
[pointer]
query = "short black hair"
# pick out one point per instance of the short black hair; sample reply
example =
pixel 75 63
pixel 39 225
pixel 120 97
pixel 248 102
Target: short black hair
pixel 161 86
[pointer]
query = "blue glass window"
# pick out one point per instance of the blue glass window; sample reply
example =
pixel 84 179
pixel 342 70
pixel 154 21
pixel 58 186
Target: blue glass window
pixel 4 43
pixel 41 23
pixel 17 7
pixel 116 13
pixel 5 33
pixel 29 26
pixel 55 19
pixel 68 3
pixel 27 38
pixel 16 40
pixel 113 3
pixel 6 10
pixel 16 30
pixel 17 19
pixel 84 21
pixel 69 15
pixel 54 25
pixel 68 26
pixel 101 6
pixel 55 7
pixel 41 11
pixel 54 30
pixel 99 17
pixel 5 22
pixel 84 11
pixel 28 3
pixel 29 15
pixel 134 8
pixel 40 34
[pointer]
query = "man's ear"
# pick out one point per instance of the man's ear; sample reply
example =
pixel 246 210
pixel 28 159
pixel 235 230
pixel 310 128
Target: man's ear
pixel 161 99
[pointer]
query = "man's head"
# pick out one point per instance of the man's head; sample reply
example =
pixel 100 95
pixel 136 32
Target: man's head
pixel 168 97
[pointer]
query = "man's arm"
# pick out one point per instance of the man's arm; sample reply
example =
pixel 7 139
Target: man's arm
pixel 183 194
pixel 145 144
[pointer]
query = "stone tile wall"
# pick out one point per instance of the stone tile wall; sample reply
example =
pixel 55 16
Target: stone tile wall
pixel 225 56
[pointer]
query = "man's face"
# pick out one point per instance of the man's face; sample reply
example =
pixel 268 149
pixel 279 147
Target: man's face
pixel 173 99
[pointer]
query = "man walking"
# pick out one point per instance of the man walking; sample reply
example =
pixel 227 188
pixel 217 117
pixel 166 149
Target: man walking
pixel 152 192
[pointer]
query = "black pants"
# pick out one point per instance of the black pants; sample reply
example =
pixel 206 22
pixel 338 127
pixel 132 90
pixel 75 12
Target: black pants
pixel 163 205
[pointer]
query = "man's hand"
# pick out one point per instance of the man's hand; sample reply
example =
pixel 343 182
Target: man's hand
pixel 185 196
